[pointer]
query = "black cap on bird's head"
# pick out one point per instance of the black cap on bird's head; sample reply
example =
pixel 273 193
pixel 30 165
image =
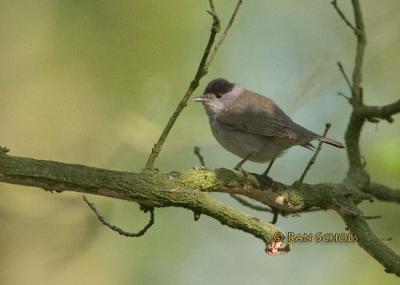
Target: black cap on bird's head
pixel 217 87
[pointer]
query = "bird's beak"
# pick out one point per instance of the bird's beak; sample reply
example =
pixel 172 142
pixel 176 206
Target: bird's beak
pixel 200 99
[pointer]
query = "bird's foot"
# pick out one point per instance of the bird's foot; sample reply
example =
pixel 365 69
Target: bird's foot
pixel 268 179
pixel 244 172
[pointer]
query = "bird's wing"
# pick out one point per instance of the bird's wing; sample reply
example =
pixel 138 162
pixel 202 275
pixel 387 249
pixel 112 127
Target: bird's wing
pixel 256 114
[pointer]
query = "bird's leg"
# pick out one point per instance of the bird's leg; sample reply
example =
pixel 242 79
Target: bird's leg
pixel 265 174
pixel 239 165
pixel 275 217
pixel 269 167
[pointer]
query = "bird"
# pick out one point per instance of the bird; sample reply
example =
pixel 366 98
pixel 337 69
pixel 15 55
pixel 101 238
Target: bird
pixel 253 126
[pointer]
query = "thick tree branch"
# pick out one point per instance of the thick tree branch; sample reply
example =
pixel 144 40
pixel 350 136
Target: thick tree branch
pixel 151 189
pixel 356 174
pixel 186 190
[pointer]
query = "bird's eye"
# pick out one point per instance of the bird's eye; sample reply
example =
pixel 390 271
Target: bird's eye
pixel 218 95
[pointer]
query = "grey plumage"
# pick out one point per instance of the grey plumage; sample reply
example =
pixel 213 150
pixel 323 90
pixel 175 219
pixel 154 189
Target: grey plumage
pixel 251 125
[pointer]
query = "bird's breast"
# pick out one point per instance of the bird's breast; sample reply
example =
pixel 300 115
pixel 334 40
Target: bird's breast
pixel 242 144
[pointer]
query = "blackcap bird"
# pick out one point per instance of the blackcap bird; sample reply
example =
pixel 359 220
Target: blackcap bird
pixel 252 126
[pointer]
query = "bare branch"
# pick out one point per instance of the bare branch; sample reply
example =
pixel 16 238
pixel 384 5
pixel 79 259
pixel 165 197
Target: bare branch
pixel 382 112
pixel 356 173
pixel 360 50
pixel 343 72
pixel 383 193
pixel 355 213
pixel 202 70
pixel 314 157
pixel 117 229
pixel 250 205
pixel 369 241
pixel 344 96
pixel 344 18
pixel 224 34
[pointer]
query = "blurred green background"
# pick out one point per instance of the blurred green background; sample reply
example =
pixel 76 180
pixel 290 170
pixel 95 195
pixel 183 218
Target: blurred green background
pixel 93 82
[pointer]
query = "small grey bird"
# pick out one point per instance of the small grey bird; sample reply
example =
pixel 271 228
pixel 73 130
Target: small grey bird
pixel 252 126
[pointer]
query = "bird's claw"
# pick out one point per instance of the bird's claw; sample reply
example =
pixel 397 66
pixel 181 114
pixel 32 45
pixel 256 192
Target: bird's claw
pixel 268 179
pixel 244 172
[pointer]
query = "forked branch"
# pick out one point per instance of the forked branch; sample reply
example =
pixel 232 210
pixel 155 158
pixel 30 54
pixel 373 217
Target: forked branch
pixel 202 70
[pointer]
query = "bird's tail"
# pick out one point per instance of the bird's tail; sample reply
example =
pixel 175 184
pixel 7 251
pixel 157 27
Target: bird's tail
pixel 331 142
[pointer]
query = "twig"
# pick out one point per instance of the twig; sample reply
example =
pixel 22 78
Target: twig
pixel 117 229
pixel 197 152
pixel 344 18
pixel 224 34
pixel 201 72
pixel 382 112
pixel 314 157
pixel 343 72
pixel 344 96
pixel 355 213
pixel 250 205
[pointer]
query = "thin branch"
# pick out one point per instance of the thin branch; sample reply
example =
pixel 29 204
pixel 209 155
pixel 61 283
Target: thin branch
pixel 314 157
pixel 224 34
pixel 246 203
pixel 355 213
pixel 344 18
pixel 343 72
pixel 117 229
pixel 382 112
pixel 383 193
pixel 360 50
pixel 344 96
pixel 201 72
pixel 197 152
